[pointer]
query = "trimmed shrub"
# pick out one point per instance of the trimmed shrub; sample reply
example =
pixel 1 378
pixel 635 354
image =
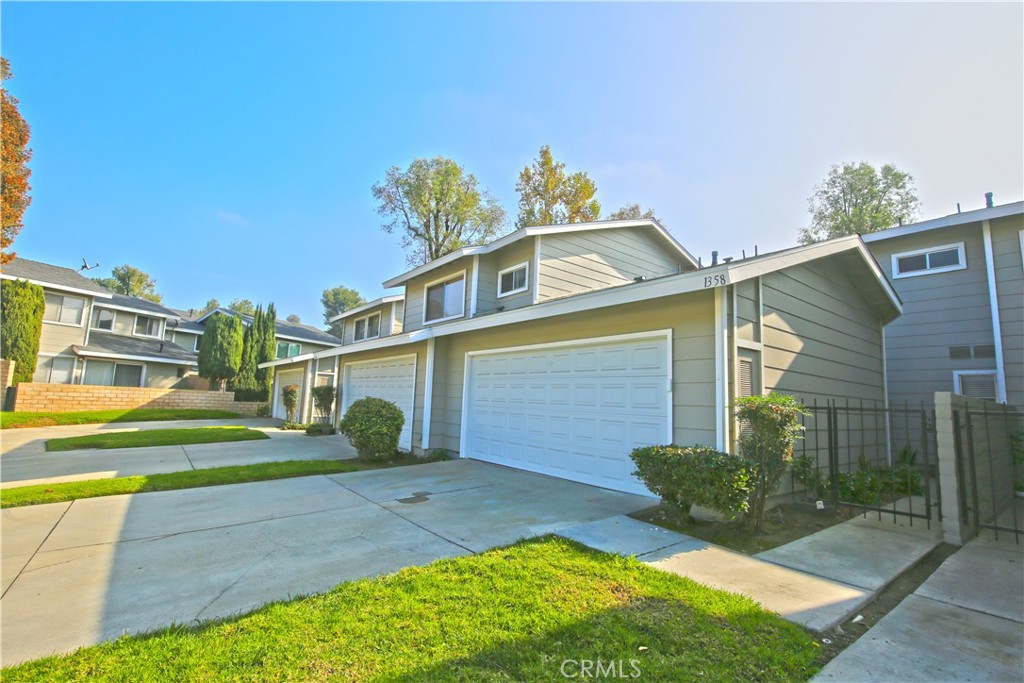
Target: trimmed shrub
pixel 21 323
pixel 323 403
pixel 373 425
pixel 263 410
pixel 290 398
pixel 682 476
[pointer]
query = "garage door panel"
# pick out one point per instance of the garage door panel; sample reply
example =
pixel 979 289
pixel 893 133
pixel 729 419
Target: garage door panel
pixel 391 379
pixel 578 414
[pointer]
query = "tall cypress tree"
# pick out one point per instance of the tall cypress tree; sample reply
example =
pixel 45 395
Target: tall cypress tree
pixel 220 349
pixel 21 324
pixel 244 384
pixel 266 350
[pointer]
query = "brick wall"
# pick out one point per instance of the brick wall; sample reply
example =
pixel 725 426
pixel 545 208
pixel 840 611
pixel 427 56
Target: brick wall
pixel 66 398
pixel 6 376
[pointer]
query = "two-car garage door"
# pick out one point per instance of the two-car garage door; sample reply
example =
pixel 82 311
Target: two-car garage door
pixel 574 411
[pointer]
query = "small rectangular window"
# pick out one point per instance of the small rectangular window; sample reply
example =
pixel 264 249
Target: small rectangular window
pixel 197 342
pixel 984 351
pixel 513 280
pixel 366 328
pixel 975 384
pixel 65 310
pixel 926 261
pixel 287 349
pixel 104 319
pixel 959 352
pixel 446 299
pixel 146 326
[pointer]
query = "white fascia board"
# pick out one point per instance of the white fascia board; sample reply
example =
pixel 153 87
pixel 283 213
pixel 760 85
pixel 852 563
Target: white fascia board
pixel 288 361
pixel 685 283
pixel 62 288
pixel 125 356
pixel 140 311
pixel 952 220
pixel 365 307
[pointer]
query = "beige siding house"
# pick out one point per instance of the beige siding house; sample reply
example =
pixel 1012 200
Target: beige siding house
pixel 559 349
pixel 962 284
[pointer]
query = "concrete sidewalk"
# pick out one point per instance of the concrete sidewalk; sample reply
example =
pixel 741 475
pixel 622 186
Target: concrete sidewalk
pixel 25 460
pixel 965 623
pixel 817 581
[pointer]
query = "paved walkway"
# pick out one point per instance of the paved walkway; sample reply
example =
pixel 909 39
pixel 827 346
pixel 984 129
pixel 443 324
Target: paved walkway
pixel 817 581
pixel 25 461
pixel 964 623
pixel 79 573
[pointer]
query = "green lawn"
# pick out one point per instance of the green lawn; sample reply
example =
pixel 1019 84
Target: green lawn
pixel 18 420
pixel 156 437
pixel 510 614
pixel 215 476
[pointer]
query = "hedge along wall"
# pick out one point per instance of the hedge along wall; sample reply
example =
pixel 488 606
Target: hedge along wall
pixel 68 398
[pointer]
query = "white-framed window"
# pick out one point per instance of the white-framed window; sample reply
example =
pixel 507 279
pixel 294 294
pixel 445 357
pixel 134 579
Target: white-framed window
pixel 113 374
pixel 976 384
pixel 147 326
pixel 54 370
pixel 928 261
pixel 63 310
pixel 198 340
pixel 367 327
pixel 288 349
pixel 514 280
pixel 104 319
pixel 445 299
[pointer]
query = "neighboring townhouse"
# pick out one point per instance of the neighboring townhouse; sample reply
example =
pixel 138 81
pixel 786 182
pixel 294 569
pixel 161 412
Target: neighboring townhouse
pixel 559 349
pixel 91 336
pixel 961 280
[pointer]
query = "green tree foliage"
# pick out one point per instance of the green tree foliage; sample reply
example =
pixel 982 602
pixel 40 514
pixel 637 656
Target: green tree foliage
pixel 373 425
pixel 337 300
pixel 290 398
pixel 130 281
pixel 243 306
pixel 244 382
pixel 323 402
pixel 547 196
pixel 14 158
pixel 683 476
pixel 266 351
pixel 632 212
pixel 294 319
pixel 220 349
pixel 210 305
pixel 21 324
pixel 437 208
pixel 857 199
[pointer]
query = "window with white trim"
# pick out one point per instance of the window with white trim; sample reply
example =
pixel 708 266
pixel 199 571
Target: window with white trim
pixel 63 310
pixel 287 349
pixel 54 370
pixel 445 299
pixel 942 259
pixel 514 280
pixel 975 384
pixel 198 341
pixel 367 327
pixel 110 374
pixel 147 326
pixel 104 319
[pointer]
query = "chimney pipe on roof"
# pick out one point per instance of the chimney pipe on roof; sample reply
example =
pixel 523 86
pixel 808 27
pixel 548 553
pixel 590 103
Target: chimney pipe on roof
pixel 714 258
pixel 988 200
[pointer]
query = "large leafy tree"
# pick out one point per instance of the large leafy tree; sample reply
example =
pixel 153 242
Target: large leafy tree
pixel 14 171
pixel 220 349
pixel 858 199
pixel 437 207
pixel 21 324
pixel 337 300
pixel 548 196
pixel 130 281
pixel 210 305
pixel 632 212
pixel 243 306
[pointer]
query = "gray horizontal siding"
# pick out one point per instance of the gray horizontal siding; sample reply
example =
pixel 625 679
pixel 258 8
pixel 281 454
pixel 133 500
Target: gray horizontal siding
pixel 414 308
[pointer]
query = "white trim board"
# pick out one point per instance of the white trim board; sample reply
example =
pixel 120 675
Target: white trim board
pixel 367 306
pixel 61 288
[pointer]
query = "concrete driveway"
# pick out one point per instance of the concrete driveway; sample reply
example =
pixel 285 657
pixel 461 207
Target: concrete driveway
pixel 25 460
pixel 79 573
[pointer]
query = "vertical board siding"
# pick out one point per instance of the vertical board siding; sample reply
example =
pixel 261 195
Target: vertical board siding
pixel 1009 271
pixel 578 262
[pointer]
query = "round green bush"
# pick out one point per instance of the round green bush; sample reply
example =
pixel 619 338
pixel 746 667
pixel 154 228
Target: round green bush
pixel 373 425
pixel 682 476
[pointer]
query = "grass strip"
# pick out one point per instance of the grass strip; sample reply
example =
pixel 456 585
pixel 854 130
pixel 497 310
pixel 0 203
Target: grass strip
pixel 22 420
pixel 156 437
pixel 534 611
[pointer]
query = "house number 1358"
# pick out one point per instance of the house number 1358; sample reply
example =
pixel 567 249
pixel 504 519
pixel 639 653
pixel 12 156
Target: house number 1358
pixel 714 281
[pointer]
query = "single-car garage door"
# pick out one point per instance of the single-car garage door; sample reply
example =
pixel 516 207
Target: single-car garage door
pixel 574 411
pixel 392 379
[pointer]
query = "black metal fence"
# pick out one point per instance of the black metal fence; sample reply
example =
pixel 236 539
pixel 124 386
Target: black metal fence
pixel 866 457
pixel 989 446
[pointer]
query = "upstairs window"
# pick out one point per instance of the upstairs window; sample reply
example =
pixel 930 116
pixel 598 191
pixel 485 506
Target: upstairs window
pixel 104 319
pixel 63 310
pixel 145 326
pixel 975 384
pixel 288 349
pixel 927 261
pixel 367 328
pixel 445 299
pixel 513 280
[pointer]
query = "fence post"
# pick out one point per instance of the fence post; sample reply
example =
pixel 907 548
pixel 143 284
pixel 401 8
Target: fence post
pixel 954 530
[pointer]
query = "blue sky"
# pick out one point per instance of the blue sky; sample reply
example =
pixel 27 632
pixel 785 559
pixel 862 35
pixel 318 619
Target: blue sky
pixel 229 149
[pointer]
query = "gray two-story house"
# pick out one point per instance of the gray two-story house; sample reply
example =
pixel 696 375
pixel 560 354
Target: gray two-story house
pixel 559 349
pixel 961 280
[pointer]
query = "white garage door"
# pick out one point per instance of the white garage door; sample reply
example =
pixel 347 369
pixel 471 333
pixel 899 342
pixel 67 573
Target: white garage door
pixel 392 379
pixel 571 411
pixel 284 379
